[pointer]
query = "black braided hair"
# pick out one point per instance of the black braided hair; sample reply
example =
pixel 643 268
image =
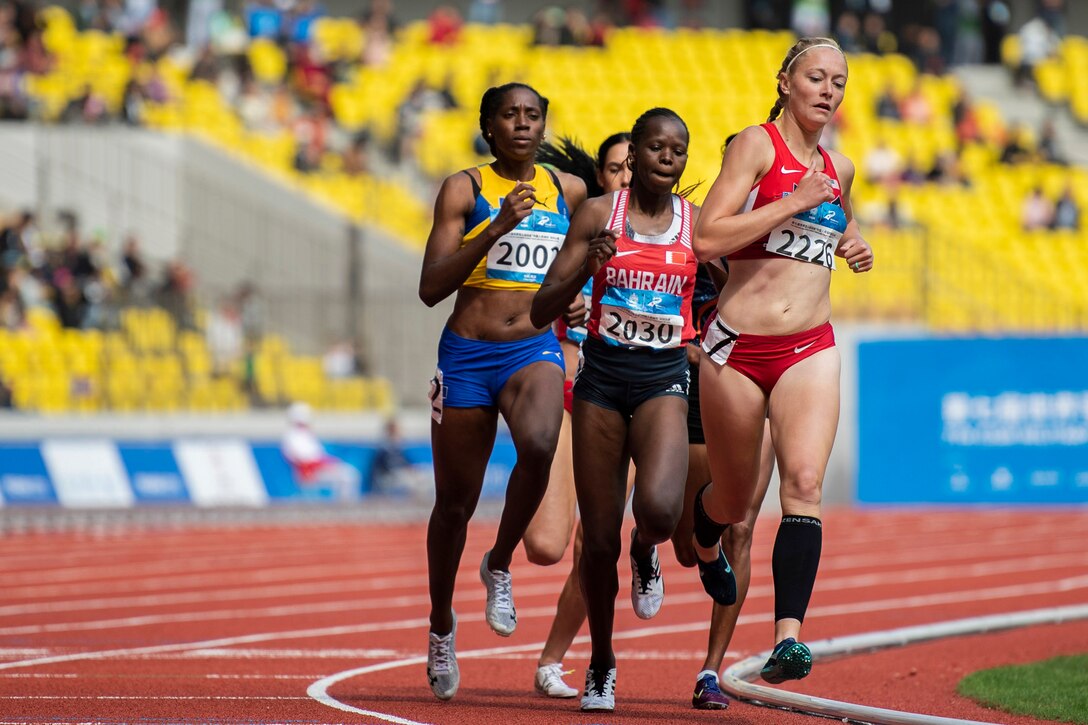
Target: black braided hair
pixel 568 156
pixel 489 106
pixel 639 129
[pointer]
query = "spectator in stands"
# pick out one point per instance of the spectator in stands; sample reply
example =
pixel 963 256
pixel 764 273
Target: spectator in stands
pixel 378 25
pixel 69 304
pixel 444 25
pixel 995 25
pixel 300 19
pixel 392 472
pixel 1047 146
pixel 810 17
pixel 964 118
pixel 263 19
pixel 968 47
pixel 250 311
pixel 356 157
pixel 875 36
pixel 576 28
pixel 421 100
pixel 883 164
pixel 312 131
pixel 175 294
pixel 1037 212
pixel 226 340
pixel 311 464
pixel 599 28
pixel 1066 211
pixel 14 238
pixel 136 285
pixel 947 170
pixel 1015 149
pixel 485 12
pixel 923 46
pixel 340 361
pixel 12 313
pixel 1052 13
pixel 548 26
pixel 915 106
pixel 848 32
pixel 887 104
pixel 911 173
pixel 1039 40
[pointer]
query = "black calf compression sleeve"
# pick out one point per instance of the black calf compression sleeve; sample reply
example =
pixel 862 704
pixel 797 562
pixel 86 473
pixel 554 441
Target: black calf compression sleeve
pixel 708 532
pixel 794 562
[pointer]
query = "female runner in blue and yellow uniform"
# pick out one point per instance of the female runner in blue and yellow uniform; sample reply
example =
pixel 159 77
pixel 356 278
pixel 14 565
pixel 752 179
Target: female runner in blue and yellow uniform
pixel 496 230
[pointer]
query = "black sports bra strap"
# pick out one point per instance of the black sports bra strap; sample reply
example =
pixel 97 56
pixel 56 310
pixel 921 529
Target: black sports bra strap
pixel 475 184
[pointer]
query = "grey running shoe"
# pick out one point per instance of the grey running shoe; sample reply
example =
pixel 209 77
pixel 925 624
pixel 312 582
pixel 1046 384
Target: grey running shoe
pixel 647 586
pixel 499 611
pixel 600 694
pixel 442 670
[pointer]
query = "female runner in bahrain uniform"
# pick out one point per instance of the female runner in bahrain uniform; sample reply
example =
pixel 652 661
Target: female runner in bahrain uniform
pixel 630 396
pixel 549 532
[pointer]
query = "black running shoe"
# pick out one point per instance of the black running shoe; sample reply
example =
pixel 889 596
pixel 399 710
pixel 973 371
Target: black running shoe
pixel 718 579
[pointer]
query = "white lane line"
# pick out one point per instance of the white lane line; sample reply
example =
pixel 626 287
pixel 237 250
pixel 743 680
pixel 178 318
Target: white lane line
pixel 319 689
pixel 694 596
pixel 115 676
pixel 152 697
pixel 918 574
pixel 737 679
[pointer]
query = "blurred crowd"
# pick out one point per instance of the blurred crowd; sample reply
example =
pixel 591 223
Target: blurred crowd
pixel 211 42
pixel 79 279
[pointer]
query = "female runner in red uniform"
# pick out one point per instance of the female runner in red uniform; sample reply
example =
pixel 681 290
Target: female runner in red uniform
pixel 780 211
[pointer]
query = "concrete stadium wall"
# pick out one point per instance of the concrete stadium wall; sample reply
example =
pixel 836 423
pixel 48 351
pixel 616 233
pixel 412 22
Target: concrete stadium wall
pixel 839 487
pixel 320 279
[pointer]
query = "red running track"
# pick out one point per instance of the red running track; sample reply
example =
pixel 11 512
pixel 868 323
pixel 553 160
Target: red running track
pixel 237 624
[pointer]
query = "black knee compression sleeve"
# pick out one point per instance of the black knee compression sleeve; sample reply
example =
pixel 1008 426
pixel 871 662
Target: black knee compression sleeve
pixel 794 562
pixel 708 532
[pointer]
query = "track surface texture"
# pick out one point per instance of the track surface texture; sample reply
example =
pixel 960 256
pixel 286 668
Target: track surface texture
pixel 325 621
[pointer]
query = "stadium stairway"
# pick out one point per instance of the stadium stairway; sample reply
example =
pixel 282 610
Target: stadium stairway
pixel 994 83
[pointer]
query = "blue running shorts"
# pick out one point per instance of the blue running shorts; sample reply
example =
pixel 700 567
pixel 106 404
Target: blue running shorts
pixel 471 373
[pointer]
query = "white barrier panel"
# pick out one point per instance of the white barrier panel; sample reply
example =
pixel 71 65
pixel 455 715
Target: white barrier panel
pixel 87 473
pixel 220 473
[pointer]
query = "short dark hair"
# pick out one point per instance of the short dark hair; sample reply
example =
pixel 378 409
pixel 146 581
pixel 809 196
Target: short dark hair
pixel 639 129
pixel 489 106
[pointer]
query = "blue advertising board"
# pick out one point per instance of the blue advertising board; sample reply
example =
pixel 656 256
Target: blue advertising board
pixel 78 472
pixel 978 420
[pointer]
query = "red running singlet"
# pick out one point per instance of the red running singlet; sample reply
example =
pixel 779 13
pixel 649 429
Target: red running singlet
pixel 642 296
pixel 810 236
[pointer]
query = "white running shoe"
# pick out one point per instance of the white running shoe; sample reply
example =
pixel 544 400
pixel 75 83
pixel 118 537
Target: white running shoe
pixel 549 681
pixel 600 694
pixel 647 586
pixel 442 670
pixel 499 611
